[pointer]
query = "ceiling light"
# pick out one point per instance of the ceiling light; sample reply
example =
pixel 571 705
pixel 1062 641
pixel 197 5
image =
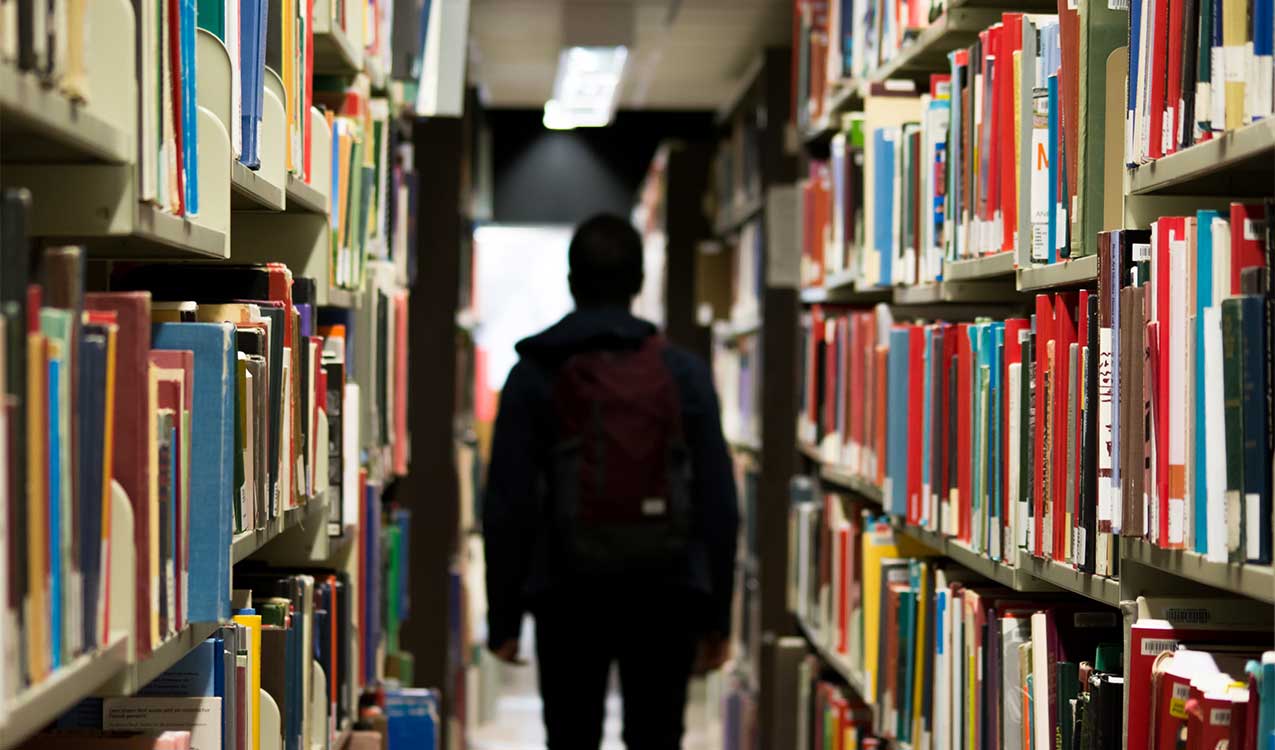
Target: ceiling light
pixel 586 87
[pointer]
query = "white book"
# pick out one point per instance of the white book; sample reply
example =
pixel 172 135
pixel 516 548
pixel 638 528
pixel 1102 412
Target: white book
pixel 1014 632
pixel 1215 436
pixel 201 716
pixel 1178 301
pixel 1042 728
pixel 942 662
pixel 1017 508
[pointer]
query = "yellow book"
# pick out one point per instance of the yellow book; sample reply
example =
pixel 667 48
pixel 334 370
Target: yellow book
pixel 36 616
pixel 108 455
pixel 1235 55
pixel 923 596
pixel 879 543
pixel 287 15
pixel 252 707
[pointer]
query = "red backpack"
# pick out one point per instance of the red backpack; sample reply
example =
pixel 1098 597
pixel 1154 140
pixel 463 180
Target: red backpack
pixel 621 470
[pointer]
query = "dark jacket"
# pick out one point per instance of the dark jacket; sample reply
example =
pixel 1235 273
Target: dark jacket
pixel 515 522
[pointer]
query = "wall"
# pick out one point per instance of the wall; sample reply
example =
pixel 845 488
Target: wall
pixel 562 177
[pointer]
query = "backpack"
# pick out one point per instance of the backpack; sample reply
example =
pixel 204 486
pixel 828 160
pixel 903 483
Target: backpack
pixel 621 477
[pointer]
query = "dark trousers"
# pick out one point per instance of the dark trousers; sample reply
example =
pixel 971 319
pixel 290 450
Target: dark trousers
pixel 652 635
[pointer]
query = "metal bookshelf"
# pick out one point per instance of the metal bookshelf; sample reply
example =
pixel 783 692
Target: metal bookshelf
pixel 251 191
pixel 1237 163
pixel 40 704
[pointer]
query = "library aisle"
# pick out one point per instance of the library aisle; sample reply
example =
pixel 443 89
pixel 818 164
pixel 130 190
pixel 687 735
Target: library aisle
pixel 984 292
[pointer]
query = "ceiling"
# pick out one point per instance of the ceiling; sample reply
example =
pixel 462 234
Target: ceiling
pixel 693 62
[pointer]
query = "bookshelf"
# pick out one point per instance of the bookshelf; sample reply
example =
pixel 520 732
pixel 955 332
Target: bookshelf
pixel 53 697
pixel 755 303
pixel 59 129
pixel 1236 163
pixel 968 262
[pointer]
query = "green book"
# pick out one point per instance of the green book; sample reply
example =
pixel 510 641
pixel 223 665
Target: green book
pixel 212 16
pixel 1067 690
pixel 1104 27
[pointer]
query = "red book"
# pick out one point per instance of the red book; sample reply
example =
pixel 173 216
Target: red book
pixel 812 371
pixel 1011 42
pixel 997 68
pixel 1044 340
pixel 855 391
pixel 882 368
pixel 1064 337
pixel 964 391
pixel 1247 245
pixel 1216 716
pixel 916 414
pixel 831 356
pixel 178 402
pixel 1013 355
pixel 1159 11
pixel 1165 230
pixel 1173 84
pixel 130 464
pixel 1069 93
pixel 175 61
pixel 1082 338
pixel 951 334
pixel 845 328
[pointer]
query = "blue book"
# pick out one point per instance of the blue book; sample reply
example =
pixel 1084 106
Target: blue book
pixel 896 479
pixel 411 719
pixel 1203 299
pixel 195 675
pixel 250 81
pixel 372 610
pixel 212 475
pixel 190 106
pixel 883 141
pixel 91 416
pixel 1266 712
pixel 978 421
pixel 995 439
pixel 1131 103
pixel 1263 26
pixel 1256 449
pixel 1054 170
pixel 418 59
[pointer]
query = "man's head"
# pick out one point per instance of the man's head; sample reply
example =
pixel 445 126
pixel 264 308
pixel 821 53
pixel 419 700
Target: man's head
pixel 606 262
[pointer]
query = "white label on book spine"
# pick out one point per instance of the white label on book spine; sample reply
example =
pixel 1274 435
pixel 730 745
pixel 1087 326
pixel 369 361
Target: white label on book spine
pixel 1121 5
pixel 1233 520
pixel 1253 230
pixel 1060 227
pixel 1157 646
pixel 1252 525
pixel 1177 515
pixel 1235 65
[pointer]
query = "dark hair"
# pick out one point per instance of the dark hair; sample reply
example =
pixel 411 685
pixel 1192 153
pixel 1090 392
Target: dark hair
pixel 605 259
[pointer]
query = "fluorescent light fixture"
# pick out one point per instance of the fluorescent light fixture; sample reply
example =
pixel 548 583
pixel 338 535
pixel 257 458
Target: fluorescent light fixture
pixel 586 87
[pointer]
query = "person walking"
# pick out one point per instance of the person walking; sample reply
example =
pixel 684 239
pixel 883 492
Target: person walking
pixel 610 511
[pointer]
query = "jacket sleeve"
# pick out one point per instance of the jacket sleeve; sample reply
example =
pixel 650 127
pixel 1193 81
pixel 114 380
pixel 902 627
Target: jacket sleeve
pixel 714 487
pixel 509 506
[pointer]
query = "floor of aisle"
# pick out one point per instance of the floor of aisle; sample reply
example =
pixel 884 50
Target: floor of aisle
pixel 517 725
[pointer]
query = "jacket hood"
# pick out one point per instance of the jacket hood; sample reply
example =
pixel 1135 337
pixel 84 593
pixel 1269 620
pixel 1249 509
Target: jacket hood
pixel 587 329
